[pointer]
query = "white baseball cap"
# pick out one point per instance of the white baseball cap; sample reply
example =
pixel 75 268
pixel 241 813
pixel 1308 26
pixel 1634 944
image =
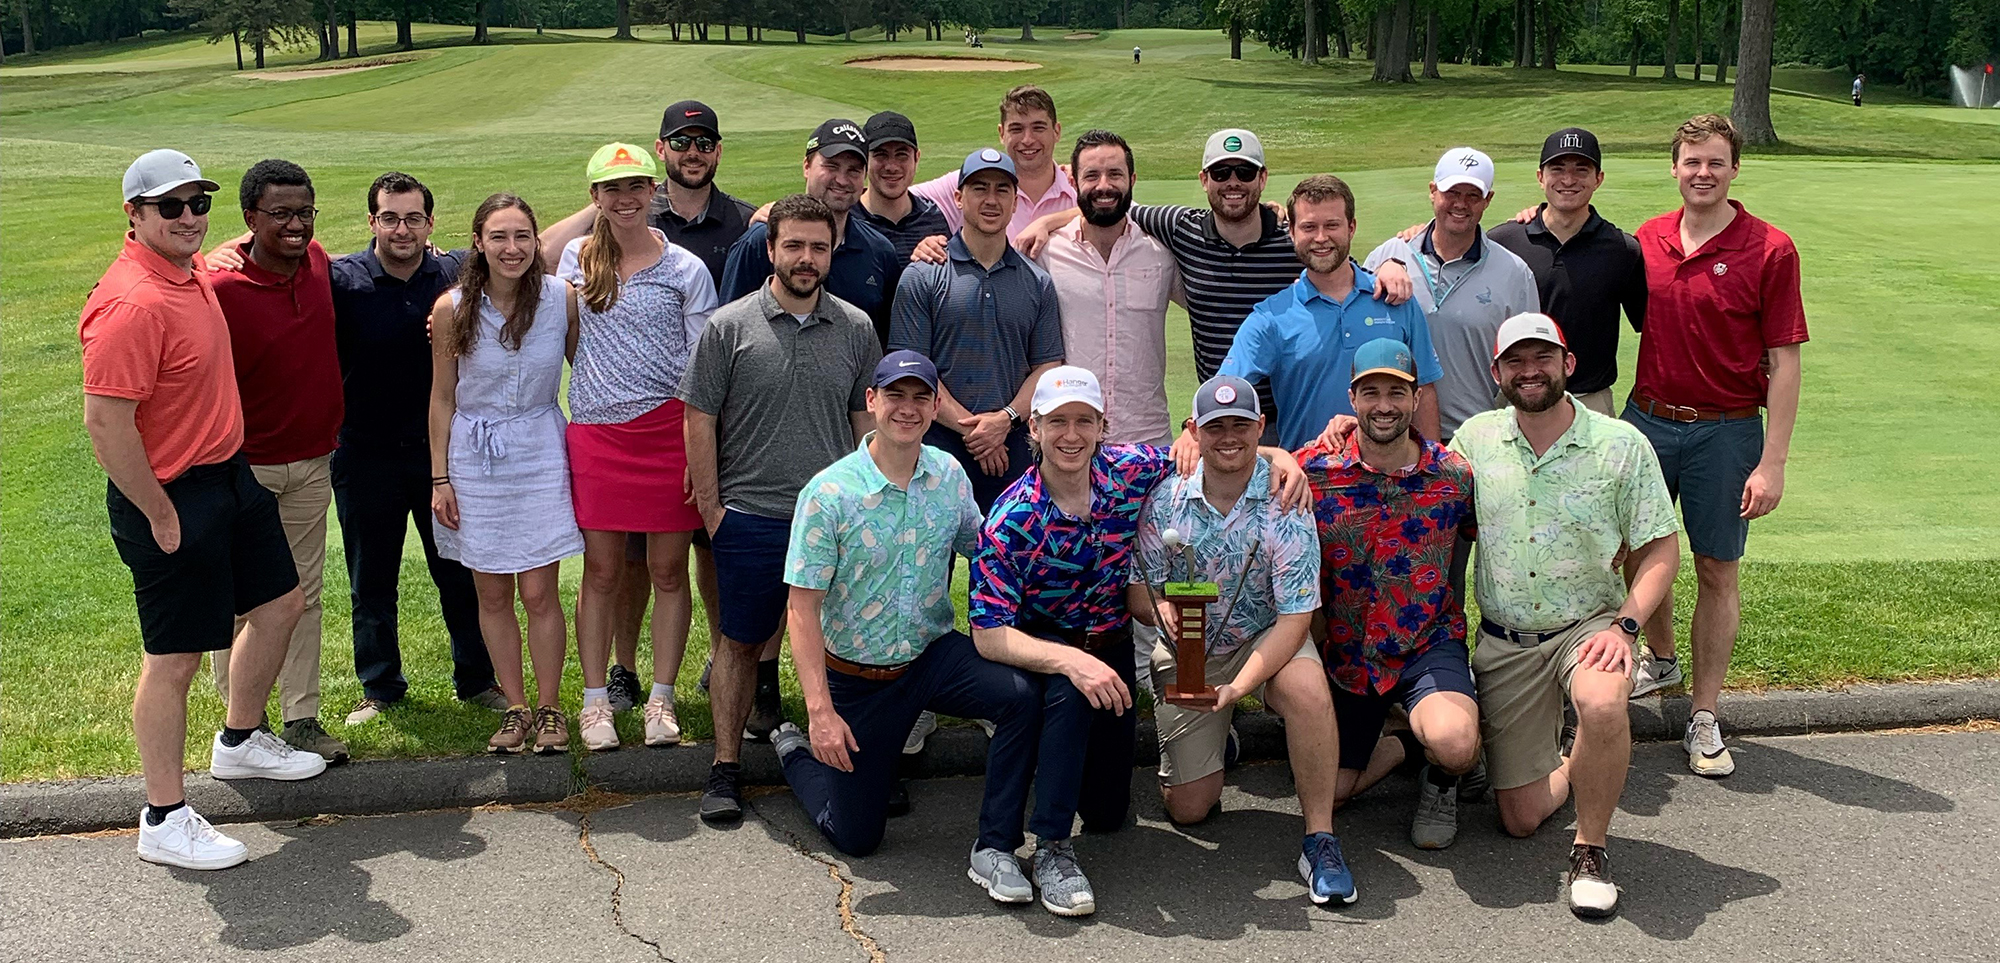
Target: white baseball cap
pixel 1232 143
pixel 1066 383
pixel 159 171
pixel 1527 327
pixel 1464 165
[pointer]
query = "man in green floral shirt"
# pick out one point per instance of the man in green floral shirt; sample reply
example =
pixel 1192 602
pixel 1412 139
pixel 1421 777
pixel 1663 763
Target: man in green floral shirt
pixel 1558 489
pixel 872 637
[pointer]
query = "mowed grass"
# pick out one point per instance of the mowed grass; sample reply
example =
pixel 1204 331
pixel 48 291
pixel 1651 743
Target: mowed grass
pixel 1880 564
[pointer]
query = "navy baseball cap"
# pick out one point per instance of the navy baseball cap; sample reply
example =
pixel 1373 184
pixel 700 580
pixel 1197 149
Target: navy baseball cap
pixel 897 365
pixel 1384 356
pixel 987 159
pixel 1225 396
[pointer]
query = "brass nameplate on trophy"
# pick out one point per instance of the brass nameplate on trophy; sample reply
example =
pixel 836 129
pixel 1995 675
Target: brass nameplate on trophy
pixel 1190 639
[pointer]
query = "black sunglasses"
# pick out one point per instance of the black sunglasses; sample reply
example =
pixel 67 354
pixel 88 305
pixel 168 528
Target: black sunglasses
pixel 705 145
pixel 1221 173
pixel 172 208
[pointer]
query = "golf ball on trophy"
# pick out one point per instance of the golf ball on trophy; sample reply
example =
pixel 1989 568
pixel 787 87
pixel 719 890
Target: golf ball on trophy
pixel 1171 538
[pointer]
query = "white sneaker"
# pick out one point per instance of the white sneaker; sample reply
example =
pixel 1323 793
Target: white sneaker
pixel 1707 756
pixel 926 724
pixel 599 733
pixel 186 840
pixel 663 728
pixel 263 756
pixel 1654 674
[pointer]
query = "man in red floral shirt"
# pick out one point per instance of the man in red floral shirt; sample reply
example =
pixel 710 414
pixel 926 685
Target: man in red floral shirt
pixel 1390 506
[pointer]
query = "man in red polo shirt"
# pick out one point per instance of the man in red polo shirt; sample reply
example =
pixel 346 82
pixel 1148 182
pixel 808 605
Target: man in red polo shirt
pixel 1724 321
pixel 279 305
pixel 201 538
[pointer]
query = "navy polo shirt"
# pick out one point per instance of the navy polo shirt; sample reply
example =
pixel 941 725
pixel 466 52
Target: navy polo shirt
pixel 385 348
pixel 984 328
pixel 863 272
pixel 925 219
pixel 709 235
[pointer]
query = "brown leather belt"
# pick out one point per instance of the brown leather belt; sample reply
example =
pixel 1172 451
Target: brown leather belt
pixel 1685 415
pixel 873 673
pixel 1095 643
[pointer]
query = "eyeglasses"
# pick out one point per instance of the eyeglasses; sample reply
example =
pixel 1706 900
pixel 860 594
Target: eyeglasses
pixel 1221 173
pixel 172 208
pixel 703 144
pixel 392 222
pixel 303 215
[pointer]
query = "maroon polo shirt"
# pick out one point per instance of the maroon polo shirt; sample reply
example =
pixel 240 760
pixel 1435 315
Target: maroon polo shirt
pixel 287 367
pixel 1712 313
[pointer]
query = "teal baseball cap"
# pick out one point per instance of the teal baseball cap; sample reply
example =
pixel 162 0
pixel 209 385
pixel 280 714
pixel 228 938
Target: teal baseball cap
pixel 1384 356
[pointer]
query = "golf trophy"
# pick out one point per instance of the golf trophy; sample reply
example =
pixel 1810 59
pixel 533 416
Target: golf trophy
pixel 1190 633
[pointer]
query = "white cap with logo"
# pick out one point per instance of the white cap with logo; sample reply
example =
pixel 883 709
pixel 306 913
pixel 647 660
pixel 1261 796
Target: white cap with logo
pixel 1464 165
pixel 159 171
pixel 1066 383
pixel 1527 327
pixel 1232 143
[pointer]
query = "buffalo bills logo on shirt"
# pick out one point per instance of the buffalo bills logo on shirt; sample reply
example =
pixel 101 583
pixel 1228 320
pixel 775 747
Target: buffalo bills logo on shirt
pixel 1721 269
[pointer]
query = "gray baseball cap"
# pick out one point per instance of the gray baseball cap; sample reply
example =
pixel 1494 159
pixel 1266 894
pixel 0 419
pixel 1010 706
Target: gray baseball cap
pixel 159 171
pixel 1225 396
pixel 1232 143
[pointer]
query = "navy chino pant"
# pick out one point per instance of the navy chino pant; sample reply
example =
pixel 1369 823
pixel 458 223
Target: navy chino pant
pixel 1085 761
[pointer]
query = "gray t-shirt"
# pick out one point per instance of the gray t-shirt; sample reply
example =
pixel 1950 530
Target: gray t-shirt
pixel 781 392
pixel 1464 301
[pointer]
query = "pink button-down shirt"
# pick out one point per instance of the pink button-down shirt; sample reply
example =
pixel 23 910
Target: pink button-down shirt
pixel 1114 323
pixel 1060 196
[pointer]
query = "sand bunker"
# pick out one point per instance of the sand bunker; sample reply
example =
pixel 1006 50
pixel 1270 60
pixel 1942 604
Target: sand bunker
pixel 1079 36
pixel 941 63
pixel 310 73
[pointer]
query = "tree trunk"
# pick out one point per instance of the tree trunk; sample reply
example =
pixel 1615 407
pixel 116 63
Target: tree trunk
pixel 1343 45
pixel 1392 64
pixel 27 32
pixel 1028 31
pixel 1235 39
pixel 674 30
pixel 1124 12
pixel 259 51
pixel 1632 68
pixel 1431 44
pixel 329 41
pixel 1529 30
pixel 403 38
pixel 1311 47
pixel 479 28
pixel 1723 43
pixel 800 28
pixel 1751 108
pixel 1673 40
pixel 1697 37
pixel 1473 33
pixel 624 21
pixel 236 37
pixel 846 24
pixel 1551 28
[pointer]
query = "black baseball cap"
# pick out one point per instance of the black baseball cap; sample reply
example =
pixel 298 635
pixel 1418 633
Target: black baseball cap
pixel 889 127
pixel 686 114
pixel 1572 142
pixel 837 136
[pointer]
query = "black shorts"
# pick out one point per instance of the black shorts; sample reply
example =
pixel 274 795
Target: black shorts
pixel 635 544
pixel 1444 667
pixel 233 557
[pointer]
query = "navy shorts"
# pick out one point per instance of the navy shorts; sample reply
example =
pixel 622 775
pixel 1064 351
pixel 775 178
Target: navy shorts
pixel 1445 667
pixel 233 557
pixel 1706 464
pixel 750 568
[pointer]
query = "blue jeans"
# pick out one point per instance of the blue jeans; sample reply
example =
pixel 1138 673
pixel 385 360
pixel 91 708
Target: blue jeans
pixel 851 808
pixel 1085 763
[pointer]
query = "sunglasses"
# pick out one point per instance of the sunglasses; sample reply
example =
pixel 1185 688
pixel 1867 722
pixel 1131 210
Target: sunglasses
pixel 1221 173
pixel 172 208
pixel 705 145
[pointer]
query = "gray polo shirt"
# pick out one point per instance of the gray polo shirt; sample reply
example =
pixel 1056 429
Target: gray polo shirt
pixel 781 390
pixel 1464 300
pixel 985 329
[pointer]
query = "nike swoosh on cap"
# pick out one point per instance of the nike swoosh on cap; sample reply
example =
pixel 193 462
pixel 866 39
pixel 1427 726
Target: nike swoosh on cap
pixel 908 364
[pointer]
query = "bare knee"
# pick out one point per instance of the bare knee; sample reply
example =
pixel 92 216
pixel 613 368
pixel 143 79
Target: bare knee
pixel 1191 802
pixel 288 607
pixel 176 670
pixel 1456 748
pixel 1299 691
pixel 539 598
pixel 1520 814
pixel 601 571
pixel 669 576
pixel 1714 574
pixel 1601 705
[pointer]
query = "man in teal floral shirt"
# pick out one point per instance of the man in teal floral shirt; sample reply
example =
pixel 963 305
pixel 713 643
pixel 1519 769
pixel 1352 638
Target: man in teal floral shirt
pixel 871 632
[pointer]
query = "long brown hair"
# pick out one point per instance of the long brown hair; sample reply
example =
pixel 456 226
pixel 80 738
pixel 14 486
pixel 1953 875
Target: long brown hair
pixel 473 278
pixel 599 260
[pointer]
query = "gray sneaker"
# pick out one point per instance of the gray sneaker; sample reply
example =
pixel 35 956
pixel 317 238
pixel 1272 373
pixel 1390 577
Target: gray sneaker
pixel 787 739
pixel 1707 756
pixel 1435 825
pixel 1654 674
pixel 920 732
pixel 1065 890
pixel 1000 874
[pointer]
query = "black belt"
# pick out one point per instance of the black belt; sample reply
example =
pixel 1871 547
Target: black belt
pixel 1095 643
pixel 1491 627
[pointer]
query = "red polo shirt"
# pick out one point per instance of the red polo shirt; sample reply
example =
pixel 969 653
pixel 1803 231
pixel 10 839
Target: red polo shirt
pixel 287 366
pixel 1711 314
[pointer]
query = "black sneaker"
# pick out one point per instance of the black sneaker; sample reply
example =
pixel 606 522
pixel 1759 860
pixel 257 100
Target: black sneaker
pixel 766 712
pixel 706 668
pixel 623 688
pixel 899 800
pixel 722 801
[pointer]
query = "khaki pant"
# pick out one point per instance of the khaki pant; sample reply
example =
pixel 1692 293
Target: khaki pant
pixel 1192 742
pixel 1599 401
pixel 304 490
pixel 1521 693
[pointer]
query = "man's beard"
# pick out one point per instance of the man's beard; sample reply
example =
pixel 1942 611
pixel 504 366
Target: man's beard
pixel 707 177
pixel 785 278
pixel 1557 385
pixel 1400 431
pixel 1329 262
pixel 1099 216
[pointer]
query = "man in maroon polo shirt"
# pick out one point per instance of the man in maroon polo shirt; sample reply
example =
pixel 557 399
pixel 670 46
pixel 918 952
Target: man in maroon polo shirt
pixel 279 305
pixel 1724 322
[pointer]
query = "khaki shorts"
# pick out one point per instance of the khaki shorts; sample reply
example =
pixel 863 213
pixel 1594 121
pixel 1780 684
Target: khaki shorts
pixel 1521 691
pixel 1192 741
pixel 1599 401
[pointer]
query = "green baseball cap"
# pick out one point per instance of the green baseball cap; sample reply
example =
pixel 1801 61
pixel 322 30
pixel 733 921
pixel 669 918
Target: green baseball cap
pixel 617 161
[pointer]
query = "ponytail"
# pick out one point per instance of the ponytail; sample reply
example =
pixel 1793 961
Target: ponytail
pixel 599 260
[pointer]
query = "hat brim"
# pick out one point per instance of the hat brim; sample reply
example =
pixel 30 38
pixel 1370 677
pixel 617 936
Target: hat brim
pixel 695 123
pixel 1457 179
pixel 1501 349
pixel 1235 157
pixel 844 147
pixel 887 139
pixel 964 176
pixel 1559 155
pixel 1392 372
pixel 927 382
pixel 1243 413
pixel 206 185
pixel 605 177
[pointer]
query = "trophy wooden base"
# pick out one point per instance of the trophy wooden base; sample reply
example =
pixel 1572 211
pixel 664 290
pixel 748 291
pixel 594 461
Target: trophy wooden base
pixel 1201 698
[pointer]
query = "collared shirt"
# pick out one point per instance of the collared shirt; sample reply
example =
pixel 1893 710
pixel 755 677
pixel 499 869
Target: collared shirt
pixel 1583 282
pixel 924 220
pixel 287 358
pixel 1550 525
pixel 1114 324
pixel 630 359
pixel 1464 300
pixel 1304 342
pixel 882 553
pixel 863 272
pixel 1712 313
pixel 381 328
pixel 781 392
pixel 985 328
pixel 1060 196
pixel 1386 540
pixel 153 333
pixel 712 232
pixel 1263 559
pixel 1040 566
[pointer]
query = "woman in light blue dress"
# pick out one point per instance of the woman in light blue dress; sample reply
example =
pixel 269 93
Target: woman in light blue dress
pixel 500 485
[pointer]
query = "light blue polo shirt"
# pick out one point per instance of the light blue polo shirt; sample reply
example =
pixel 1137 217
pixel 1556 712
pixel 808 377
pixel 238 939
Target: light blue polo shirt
pixel 1303 343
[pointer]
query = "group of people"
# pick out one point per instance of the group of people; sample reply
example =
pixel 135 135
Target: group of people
pixel 826 402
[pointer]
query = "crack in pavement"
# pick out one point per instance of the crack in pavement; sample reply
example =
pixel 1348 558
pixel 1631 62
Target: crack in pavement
pixel 845 903
pixel 617 887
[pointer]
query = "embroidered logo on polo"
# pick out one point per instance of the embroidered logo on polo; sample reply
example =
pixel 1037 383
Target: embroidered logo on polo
pixel 1485 296
pixel 1720 269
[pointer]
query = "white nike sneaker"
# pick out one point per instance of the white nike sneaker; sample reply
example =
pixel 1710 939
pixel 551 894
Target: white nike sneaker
pixel 186 840
pixel 263 756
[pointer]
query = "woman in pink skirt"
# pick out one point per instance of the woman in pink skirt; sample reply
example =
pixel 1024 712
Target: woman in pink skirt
pixel 643 304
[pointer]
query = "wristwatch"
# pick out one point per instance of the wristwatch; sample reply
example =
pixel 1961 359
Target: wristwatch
pixel 1627 625
pixel 1013 417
